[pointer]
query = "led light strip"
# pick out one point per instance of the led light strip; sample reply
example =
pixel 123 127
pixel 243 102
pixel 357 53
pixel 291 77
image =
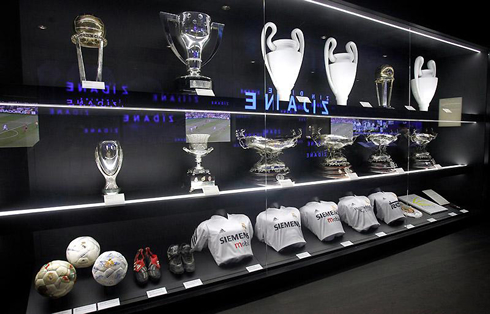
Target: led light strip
pixel 225 111
pixel 390 25
pixel 11 213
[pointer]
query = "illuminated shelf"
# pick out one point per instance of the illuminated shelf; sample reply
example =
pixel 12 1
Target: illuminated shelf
pixel 21 212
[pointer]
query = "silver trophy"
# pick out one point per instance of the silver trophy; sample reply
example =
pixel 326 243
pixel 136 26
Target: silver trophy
pixel 193 31
pixel 269 149
pixel 89 33
pixel 384 78
pixel 380 161
pixel 335 165
pixel 109 158
pixel 421 158
pixel 198 146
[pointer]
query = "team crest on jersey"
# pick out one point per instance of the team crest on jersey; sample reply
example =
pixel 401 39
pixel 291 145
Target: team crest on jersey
pixel 243 226
pixel 294 215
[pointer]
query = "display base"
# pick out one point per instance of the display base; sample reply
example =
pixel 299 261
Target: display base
pixel 263 179
pixel 335 172
pixel 189 84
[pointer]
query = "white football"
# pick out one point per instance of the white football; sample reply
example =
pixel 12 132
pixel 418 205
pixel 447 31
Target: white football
pixel 110 268
pixel 55 279
pixel 82 252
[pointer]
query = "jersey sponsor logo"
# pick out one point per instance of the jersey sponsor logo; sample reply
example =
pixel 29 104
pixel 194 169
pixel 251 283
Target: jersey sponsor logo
pixel 234 237
pixel 362 209
pixel 326 214
pixel 239 245
pixel 287 224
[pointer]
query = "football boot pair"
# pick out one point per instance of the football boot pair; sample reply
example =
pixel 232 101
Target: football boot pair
pixel 146 266
pixel 180 259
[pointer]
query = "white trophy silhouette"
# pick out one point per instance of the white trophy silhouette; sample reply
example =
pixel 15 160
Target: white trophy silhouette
pixel 341 69
pixel 424 83
pixel 284 60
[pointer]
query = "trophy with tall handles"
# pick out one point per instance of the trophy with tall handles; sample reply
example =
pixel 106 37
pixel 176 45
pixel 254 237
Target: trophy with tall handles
pixel 198 147
pixel 109 158
pixel 89 33
pixel 421 158
pixel 380 161
pixel 284 60
pixel 269 149
pixel 384 78
pixel 424 83
pixel 341 69
pixel 193 31
pixel 335 165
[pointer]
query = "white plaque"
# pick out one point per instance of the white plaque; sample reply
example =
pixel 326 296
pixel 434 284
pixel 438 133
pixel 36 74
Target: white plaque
pixel 399 170
pixel 365 104
pixel 108 304
pixel 410 108
pixel 464 211
pixel 436 197
pixel 85 309
pixel 452 214
pixel 303 99
pixel 431 220
pixel 93 85
pixel 438 166
pixel 346 243
pixel 303 255
pixel 156 292
pixel 353 176
pixel 210 190
pixel 64 312
pixel 192 283
pixel 409 226
pixel 254 268
pixel 286 183
pixel 380 234
pixel 204 92
pixel 114 199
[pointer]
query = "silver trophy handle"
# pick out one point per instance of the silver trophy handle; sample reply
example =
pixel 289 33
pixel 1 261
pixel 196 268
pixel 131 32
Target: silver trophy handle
pixel 315 134
pixel 240 136
pixel 219 28
pixel 166 18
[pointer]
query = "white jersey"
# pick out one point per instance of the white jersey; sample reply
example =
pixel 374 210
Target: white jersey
pixel 387 206
pixel 323 219
pixel 228 238
pixel 280 227
pixel 357 212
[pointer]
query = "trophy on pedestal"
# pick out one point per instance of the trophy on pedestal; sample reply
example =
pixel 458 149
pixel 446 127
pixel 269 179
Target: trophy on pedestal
pixel 335 165
pixel 424 83
pixel 109 158
pixel 89 33
pixel 193 31
pixel 380 161
pixel 421 158
pixel 269 166
pixel 341 69
pixel 284 60
pixel 198 146
pixel 384 78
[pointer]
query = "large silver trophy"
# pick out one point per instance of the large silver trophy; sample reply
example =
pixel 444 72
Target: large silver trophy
pixel 380 161
pixel 384 78
pixel 335 165
pixel 89 33
pixel 269 149
pixel 198 147
pixel 109 158
pixel 421 158
pixel 193 31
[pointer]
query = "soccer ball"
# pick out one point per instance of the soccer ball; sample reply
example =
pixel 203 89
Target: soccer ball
pixel 110 268
pixel 82 252
pixel 55 279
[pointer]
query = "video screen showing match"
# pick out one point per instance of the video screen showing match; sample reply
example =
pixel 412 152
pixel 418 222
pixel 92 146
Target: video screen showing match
pixel 217 125
pixel 19 126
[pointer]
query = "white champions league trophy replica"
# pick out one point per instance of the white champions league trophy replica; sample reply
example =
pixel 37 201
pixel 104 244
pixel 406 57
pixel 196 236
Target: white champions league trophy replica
pixel 335 165
pixel 424 83
pixel 198 146
pixel 193 31
pixel 109 158
pixel 284 60
pixel 89 33
pixel 341 69
pixel 384 78
pixel 421 158
pixel 269 166
pixel 380 161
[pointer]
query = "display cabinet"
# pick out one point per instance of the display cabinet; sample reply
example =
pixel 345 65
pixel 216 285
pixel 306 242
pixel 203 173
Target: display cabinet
pixel 264 136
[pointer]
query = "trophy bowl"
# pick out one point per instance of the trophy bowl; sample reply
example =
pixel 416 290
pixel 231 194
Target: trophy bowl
pixel 269 150
pixel 198 147
pixel 335 165
pixel 90 30
pixel 421 158
pixel 380 161
pixel 109 158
